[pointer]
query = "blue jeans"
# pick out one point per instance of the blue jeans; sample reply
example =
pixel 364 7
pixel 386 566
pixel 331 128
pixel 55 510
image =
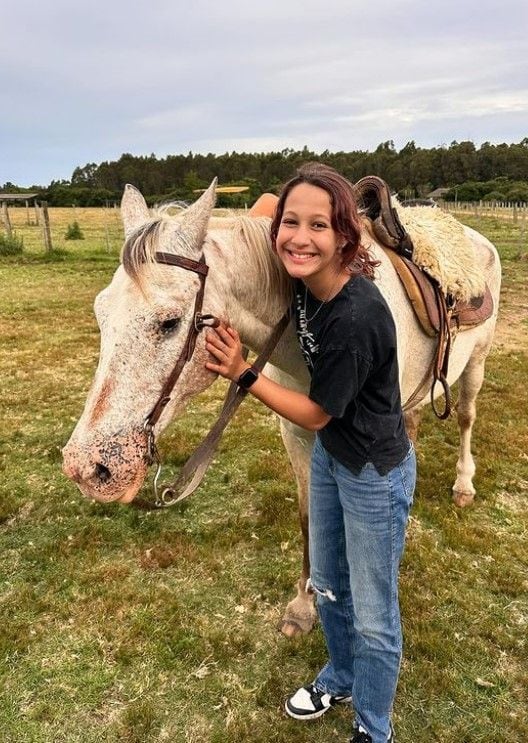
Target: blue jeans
pixel 357 534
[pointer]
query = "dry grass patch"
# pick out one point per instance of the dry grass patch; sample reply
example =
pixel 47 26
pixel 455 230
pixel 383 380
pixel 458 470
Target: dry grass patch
pixel 118 625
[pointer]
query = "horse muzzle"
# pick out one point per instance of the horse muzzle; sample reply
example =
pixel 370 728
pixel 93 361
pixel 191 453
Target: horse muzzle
pixel 109 469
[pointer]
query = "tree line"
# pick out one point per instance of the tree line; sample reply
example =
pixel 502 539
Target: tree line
pixel 471 173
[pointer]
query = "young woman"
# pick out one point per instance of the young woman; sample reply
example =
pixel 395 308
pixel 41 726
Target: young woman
pixel 363 467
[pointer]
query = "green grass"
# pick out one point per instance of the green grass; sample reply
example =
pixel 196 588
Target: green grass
pixel 119 625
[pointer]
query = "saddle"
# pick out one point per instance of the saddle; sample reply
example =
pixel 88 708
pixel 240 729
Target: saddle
pixel 374 202
pixel 439 315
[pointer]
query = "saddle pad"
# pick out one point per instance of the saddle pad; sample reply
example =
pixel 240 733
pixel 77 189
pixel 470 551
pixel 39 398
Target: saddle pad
pixel 422 293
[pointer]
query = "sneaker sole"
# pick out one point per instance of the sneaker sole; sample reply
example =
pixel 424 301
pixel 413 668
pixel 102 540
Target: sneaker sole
pixel 313 715
pixel 306 715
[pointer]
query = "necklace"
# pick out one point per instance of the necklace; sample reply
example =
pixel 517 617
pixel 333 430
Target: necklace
pixel 322 303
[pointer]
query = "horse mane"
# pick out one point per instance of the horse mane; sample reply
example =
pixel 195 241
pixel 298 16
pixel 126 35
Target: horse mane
pixel 139 249
pixel 248 233
pixel 275 283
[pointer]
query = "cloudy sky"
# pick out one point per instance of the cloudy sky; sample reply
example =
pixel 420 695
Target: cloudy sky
pixel 85 82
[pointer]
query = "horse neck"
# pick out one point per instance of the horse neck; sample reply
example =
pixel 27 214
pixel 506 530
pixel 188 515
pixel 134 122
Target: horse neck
pixel 254 289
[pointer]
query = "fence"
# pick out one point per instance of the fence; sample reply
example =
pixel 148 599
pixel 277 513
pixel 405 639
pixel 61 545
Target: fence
pixel 503 209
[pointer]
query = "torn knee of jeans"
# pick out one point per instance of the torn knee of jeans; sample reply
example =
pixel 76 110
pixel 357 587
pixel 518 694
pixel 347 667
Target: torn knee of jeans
pixel 326 593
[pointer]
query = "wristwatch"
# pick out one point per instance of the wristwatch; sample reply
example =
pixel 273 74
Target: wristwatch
pixel 247 378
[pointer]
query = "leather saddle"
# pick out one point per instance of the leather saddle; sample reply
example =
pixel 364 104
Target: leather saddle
pixel 375 203
pixel 437 313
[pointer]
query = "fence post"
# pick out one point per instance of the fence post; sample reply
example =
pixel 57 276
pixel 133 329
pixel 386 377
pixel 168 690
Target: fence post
pixel 107 234
pixel 522 228
pixel 46 226
pixel 5 219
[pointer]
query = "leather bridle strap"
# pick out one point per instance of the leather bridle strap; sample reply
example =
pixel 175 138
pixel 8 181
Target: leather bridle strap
pixel 195 468
pixel 197 324
pixel 193 471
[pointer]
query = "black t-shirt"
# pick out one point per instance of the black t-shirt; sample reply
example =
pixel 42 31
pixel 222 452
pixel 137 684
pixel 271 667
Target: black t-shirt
pixel 349 345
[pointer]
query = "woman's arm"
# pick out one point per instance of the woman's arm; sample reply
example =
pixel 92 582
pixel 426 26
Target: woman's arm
pixel 224 344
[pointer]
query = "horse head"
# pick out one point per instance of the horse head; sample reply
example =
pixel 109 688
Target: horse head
pixel 144 316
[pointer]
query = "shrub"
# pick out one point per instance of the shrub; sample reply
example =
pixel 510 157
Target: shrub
pixel 74 232
pixel 517 193
pixel 11 245
pixel 495 196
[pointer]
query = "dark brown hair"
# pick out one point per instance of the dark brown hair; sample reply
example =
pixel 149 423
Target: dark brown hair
pixel 345 217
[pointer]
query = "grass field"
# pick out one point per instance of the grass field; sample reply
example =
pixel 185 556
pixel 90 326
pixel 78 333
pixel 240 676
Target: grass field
pixel 118 625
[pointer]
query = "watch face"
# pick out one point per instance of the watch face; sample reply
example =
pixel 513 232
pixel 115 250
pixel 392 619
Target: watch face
pixel 247 378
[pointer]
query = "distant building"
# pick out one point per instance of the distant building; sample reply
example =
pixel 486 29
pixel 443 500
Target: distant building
pixel 12 198
pixel 438 194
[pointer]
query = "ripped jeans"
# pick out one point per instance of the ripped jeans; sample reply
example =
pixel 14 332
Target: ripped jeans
pixel 357 534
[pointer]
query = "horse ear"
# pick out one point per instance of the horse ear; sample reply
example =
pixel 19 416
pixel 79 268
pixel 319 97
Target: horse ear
pixel 193 226
pixel 134 209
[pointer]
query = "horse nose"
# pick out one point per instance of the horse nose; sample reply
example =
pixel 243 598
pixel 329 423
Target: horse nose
pixel 102 473
pixel 71 466
pixel 80 469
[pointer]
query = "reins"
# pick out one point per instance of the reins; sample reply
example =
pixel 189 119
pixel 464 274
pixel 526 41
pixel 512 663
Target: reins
pixel 192 473
pixel 196 466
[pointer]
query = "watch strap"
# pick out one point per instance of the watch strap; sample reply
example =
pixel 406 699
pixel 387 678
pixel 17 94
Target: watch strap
pixel 248 377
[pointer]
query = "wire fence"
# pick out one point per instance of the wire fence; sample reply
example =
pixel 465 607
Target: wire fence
pixel 512 210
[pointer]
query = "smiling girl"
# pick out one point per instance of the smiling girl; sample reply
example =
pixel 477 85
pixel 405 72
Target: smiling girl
pixel 363 467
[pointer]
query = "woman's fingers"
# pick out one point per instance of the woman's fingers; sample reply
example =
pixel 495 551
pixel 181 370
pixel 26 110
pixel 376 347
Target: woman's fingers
pixel 216 351
pixel 213 367
pixel 224 344
pixel 227 334
pixel 232 332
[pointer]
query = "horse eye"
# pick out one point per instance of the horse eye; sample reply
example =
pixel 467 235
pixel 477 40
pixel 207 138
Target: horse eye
pixel 167 326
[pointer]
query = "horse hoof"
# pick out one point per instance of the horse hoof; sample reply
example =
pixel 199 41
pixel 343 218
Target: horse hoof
pixel 290 629
pixel 463 499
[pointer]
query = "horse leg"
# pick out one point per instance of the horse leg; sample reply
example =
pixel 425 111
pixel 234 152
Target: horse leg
pixel 469 385
pixel 300 614
pixel 412 420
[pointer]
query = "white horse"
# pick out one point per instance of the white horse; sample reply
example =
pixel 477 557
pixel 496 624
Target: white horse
pixel 144 315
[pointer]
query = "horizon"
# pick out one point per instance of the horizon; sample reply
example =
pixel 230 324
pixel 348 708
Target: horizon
pixel 219 154
pixel 86 84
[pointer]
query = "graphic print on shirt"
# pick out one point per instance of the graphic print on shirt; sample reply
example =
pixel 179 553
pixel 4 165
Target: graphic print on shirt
pixel 309 347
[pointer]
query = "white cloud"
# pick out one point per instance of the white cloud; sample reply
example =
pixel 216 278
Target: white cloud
pixel 167 77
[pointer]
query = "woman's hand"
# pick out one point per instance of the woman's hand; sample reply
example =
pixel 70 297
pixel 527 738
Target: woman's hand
pixel 224 344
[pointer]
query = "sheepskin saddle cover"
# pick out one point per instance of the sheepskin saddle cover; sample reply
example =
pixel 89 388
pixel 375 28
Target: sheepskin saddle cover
pixel 443 250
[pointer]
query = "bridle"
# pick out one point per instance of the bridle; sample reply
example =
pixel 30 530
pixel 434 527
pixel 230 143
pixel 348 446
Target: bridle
pixel 198 322
pixel 200 459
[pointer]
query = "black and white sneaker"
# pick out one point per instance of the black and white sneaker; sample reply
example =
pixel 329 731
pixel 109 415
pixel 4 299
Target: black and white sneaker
pixel 309 703
pixel 360 735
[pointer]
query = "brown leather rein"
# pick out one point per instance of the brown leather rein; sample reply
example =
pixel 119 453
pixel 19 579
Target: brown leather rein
pixel 196 466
